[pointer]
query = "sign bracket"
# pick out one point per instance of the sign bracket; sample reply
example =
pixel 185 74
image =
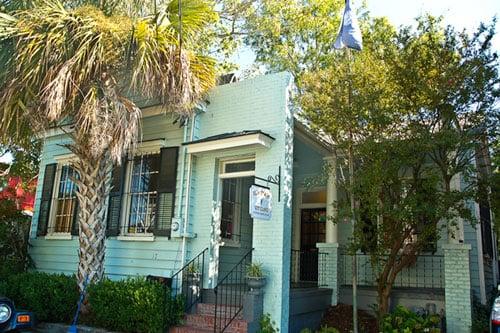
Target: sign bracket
pixel 276 180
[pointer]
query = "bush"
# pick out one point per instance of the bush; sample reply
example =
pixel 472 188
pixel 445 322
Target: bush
pixel 52 297
pixel 133 305
pixel 323 329
pixel 14 235
pixel 267 325
pixel 402 320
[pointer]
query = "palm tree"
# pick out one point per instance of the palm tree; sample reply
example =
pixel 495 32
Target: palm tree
pixel 77 63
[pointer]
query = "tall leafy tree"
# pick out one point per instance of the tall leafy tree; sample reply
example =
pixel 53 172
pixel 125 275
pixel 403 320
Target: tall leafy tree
pixel 75 65
pixel 417 103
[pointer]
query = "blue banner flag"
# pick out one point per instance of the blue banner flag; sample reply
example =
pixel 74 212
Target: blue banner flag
pixel 350 33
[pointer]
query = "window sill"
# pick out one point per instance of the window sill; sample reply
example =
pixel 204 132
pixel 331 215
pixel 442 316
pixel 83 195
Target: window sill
pixel 230 243
pixel 136 238
pixel 59 236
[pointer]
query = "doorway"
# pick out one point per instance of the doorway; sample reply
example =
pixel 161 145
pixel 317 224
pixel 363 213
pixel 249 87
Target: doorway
pixel 313 231
pixel 236 224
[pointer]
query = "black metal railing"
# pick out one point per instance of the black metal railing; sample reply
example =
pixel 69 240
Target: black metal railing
pixel 426 272
pixel 188 281
pixel 308 268
pixel 229 293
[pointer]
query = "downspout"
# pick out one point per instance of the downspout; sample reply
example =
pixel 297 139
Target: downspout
pixel 188 186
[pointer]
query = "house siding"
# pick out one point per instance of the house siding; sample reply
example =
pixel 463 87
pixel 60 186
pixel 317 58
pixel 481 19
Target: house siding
pixel 123 258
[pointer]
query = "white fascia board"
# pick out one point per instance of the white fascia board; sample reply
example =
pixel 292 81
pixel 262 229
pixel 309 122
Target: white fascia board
pixel 152 146
pixel 257 139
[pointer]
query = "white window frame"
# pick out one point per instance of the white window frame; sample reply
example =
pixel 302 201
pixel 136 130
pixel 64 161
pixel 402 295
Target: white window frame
pixel 61 161
pixel 241 174
pixel 144 148
pixel 228 175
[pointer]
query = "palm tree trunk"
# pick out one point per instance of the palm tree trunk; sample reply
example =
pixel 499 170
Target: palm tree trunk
pixel 93 190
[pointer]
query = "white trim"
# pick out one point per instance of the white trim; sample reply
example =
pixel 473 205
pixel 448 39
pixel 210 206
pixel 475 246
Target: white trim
pixel 240 174
pixel 59 236
pixel 152 146
pixel 65 158
pixel 257 139
pixel 137 238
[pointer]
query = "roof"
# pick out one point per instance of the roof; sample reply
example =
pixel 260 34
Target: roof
pixel 228 136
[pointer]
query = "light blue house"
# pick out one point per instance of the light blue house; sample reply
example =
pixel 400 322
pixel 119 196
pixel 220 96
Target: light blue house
pixel 182 198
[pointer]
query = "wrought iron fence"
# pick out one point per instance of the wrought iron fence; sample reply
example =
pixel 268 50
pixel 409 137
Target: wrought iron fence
pixel 308 269
pixel 229 293
pixel 426 272
pixel 188 281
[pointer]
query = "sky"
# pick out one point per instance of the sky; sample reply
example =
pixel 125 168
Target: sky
pixel 459 13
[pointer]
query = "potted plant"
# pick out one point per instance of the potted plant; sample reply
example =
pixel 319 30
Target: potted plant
pixel 193 274
pixel 255 276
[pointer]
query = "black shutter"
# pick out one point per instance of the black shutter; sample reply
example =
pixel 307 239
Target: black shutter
pixel 46 198
pixel 115 200
pixel 166 191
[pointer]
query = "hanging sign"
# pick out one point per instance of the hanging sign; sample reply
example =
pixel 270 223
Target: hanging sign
pixel 260 202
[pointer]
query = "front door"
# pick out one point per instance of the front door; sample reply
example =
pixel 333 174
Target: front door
pixel 313 229
pixel 236 222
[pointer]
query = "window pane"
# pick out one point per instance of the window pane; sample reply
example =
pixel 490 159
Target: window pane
pixel 239 167
pixel 66 200
pixel 143 193
pixel 231 207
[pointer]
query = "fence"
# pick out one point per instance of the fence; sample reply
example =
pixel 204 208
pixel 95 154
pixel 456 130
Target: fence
pixel 426 272
pixel 307 268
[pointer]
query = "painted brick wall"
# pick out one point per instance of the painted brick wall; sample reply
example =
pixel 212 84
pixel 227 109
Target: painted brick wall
pixel 458 288
pixel 259 103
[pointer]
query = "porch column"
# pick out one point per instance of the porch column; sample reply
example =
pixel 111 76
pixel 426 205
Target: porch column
pixel 328 272
pixel 457 288
pixel 456 234
pixel 332 233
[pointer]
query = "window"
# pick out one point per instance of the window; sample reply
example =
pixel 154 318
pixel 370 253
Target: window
pixel 237 168
pixel 231 208
pixel 65 202
pixel 235 183
pixel 58 203
pixel 144 174
pixel 142 197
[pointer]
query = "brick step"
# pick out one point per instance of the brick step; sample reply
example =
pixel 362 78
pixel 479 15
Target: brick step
pixel 188 329
pixel 204 321
pixel 191 329
pixel 209 309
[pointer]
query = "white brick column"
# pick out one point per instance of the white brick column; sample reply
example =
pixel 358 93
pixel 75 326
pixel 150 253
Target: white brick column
pixel 332 229
pixel 457 288
pixel 328 268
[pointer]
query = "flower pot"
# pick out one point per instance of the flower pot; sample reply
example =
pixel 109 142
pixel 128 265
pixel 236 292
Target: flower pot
pixel 194 278
pixel 256 282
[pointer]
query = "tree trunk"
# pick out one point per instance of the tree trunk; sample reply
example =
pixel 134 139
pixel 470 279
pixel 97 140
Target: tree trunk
pixel 384 293
pixel 93 190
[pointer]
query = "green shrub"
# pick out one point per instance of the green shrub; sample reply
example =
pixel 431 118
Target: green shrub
pixel 323 329
pixel 133 305
pixel 52 297
pixel 326 329
pixel 267 325
pixel 402 320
